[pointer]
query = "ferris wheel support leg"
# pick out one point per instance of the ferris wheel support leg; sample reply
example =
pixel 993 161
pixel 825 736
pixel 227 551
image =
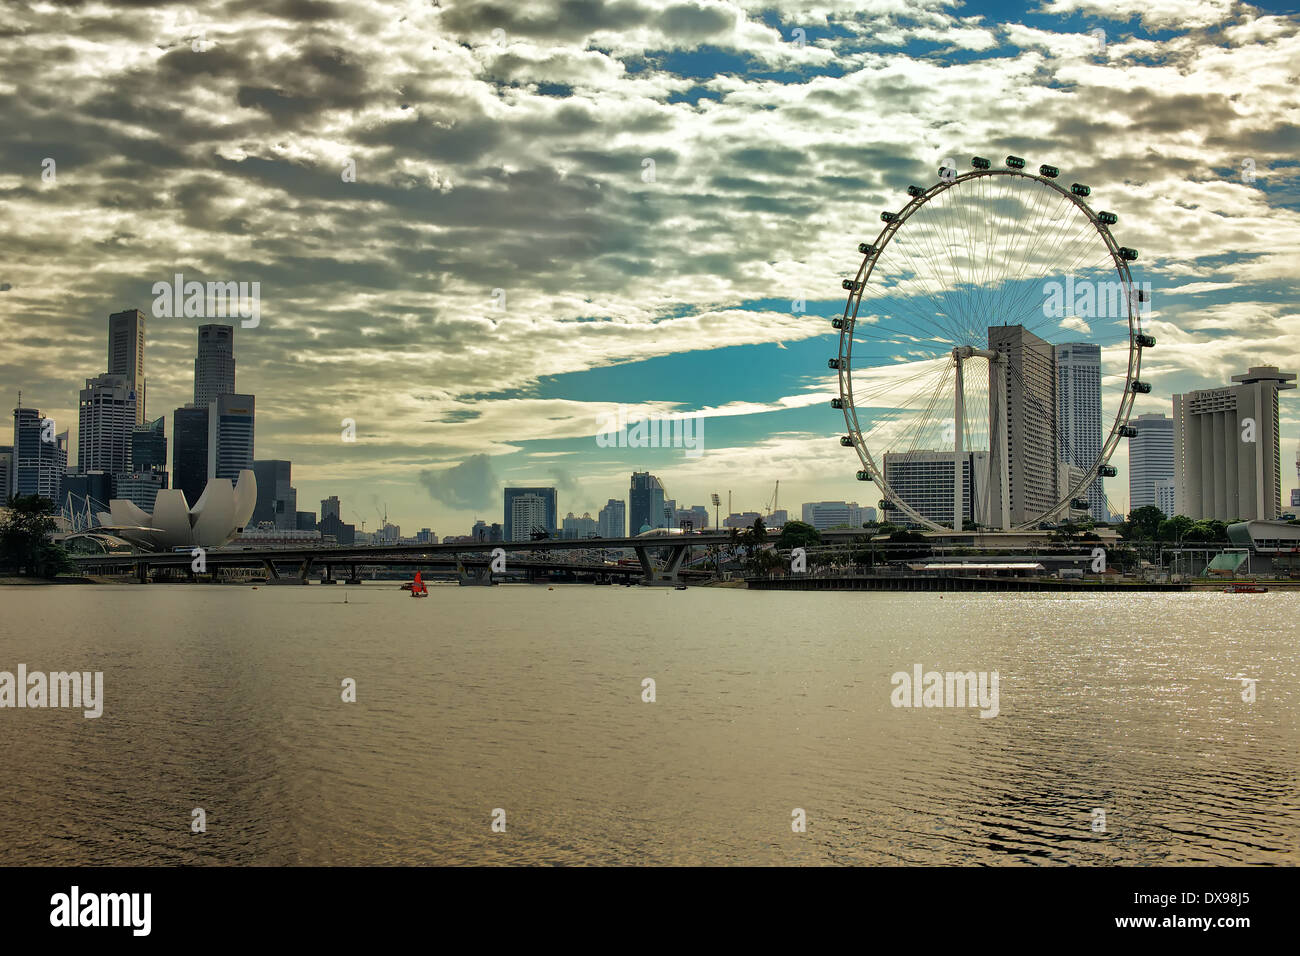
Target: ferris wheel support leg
pixel 956 448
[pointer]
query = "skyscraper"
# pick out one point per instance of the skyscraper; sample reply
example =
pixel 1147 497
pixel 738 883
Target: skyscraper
pixel 548 520
pixel 1078 415
pixel 230 435
pixel 214 365
pixel 190 451
pixel 1228 448
pixel 40 456
pixel 830 514
pixel 611 521
pixel 1030 404
pixel 645 503
pixel 106 419
pixel 126 353
pixel 149 446
pixel 527 513
pixel 277 499
pixel 1150 461
pixel 923 479
pixel 6 472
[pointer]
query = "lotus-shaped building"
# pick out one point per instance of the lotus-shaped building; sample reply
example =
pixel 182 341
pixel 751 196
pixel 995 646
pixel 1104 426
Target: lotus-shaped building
pixel 220 512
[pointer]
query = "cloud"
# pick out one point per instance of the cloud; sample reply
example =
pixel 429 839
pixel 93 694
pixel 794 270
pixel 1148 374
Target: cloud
pixel 469 485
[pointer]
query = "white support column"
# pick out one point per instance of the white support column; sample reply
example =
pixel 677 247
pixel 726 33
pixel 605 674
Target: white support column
pixel 956 447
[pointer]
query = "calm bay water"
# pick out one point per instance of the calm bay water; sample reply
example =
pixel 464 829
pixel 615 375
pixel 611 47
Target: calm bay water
pixel 530 700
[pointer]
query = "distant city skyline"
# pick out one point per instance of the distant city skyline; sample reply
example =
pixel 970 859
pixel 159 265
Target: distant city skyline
pixel 650 221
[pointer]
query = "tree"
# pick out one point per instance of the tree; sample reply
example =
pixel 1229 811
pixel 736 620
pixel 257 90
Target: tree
pixel 25 538
pixel 797 534
pixel 1175 528
pixel 1142 524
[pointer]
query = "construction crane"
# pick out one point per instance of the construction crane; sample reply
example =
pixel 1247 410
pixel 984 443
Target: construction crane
pixel 774 501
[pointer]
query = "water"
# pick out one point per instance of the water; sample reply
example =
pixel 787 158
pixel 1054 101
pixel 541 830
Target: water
pixel 529 699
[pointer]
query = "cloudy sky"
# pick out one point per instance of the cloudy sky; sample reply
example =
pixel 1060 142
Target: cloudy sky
pixel 564 205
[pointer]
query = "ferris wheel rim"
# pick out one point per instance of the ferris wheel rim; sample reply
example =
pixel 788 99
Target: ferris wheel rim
pixel 845 353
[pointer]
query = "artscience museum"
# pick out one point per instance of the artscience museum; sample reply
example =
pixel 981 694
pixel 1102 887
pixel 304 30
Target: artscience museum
pixel 219 514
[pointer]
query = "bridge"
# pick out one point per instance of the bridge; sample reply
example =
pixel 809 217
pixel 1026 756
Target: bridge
pixel 660 558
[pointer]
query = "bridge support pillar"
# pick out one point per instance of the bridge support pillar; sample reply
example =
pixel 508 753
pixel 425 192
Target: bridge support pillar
pixel 352 575
pixel 271 573
pixel 142 572
pixel 303 570
pixel 667 575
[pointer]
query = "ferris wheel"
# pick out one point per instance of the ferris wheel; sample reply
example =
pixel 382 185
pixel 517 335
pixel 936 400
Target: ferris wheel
pixel 971 345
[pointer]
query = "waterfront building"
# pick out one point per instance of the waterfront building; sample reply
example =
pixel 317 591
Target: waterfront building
pixel 1150 460
pixel 190 450
pixel 1078 415
pixel 40 456
pixel 645 503
pixel 547 522
pixel 574 527
pixel 139 487
pixel 823 515
pixel 611 521
pixel 214 364
pixel 1030 412
pixel 126 354
pixel 528 514
pixel 230 435
pixel 1228 448
pixel 924 481
pixel 277 499
pixel 106 420
pixel 6 472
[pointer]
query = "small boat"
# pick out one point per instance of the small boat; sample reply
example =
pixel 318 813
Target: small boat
pixel 679 587
pixel 418 587
pixel 1245 589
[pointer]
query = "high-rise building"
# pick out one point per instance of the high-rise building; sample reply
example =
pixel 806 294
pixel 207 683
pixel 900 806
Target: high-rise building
pixel 126 354
pixel 549 518
pixel 1166 496
pixel 611 520
pixel 149 447
pixel 214 365
pixel 40 456
pixel 306 521
pixel 574 527
pixel 277 499
pixel 6 472
pixel 1078 415
pixel 230 435
pixel 190 451
pixel 1228 448
pixel 823 515
pixel 426 536
pixel 482 531
pixel 1030 404
pixel 1150 460
pixel 87 493
pixel 139 487
pixel 330 508
pixel 697 516
pixel 923 479
pixel 107 417
pixel 527 514
pixel 645 503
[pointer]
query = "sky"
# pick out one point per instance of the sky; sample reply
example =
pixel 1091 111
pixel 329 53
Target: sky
pixel 479 228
